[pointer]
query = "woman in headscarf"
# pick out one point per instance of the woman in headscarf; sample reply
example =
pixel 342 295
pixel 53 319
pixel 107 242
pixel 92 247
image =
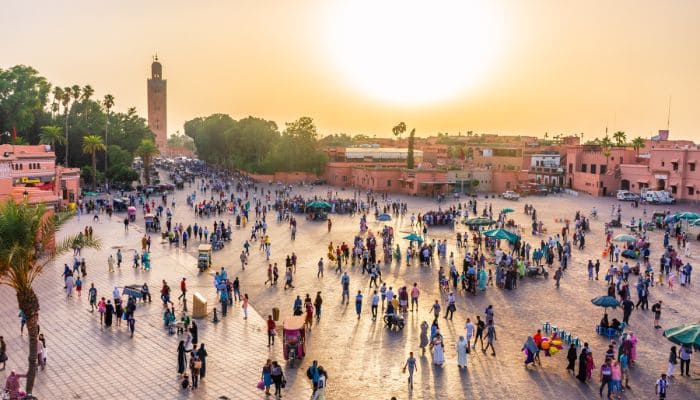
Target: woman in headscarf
pixel 109 311
pixel 438 349
pixel 12 386
pixel 571 357
pixel 461 348
pixel 424 336
pixel 202 354
pixel 582 366
pixel 194 332
pixel 181 358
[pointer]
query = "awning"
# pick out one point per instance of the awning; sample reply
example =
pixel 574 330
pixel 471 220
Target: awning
pixel 674 160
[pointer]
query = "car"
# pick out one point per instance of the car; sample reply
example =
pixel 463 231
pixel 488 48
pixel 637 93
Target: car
pixel 510 195
pixel 318 182
pixel 625 195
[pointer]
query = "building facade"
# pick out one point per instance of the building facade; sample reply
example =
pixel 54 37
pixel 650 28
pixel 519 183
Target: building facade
pixel 157 105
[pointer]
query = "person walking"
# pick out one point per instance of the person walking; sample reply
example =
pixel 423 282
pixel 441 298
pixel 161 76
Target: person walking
pixel 411 367
pixel 606 377
pixel 672 361
pixel 358 303
pixel 375 305
pixel 271 332
pixel 480 326
pixel 267 376
pixel 244 306
pixel 490 337
pixel 119 258
pixel 627 307
pixel 684 355
pixel 132 323
pixel 656 309
pixel 319 274
pixel 92 297
pixel 462 348
pixel 436 309
pixel 277 376
pixel 3 353
pixel 195 365
pixel 183 291
pixel 345 282
pixel 318 301
pixel 202 355
pixel 571 357
pixel 557 276
pixel 415 293
pixel 424 341
pixel 110 263
pixel 661 387
pixel 181 358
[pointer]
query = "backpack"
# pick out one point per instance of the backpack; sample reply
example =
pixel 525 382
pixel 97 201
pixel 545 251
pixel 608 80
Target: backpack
pixel 309 374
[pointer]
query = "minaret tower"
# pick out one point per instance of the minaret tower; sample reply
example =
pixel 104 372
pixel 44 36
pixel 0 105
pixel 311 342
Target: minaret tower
pixel 157 105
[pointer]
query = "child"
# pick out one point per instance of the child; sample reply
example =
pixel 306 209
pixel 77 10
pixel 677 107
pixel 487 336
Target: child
pixel 661 387
pixel 78 286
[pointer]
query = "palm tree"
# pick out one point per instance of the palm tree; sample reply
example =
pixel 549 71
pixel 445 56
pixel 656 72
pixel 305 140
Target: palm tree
pixel 638 143
pixel 27 245
pixel 65 100
pixel 51 134
pixel 147 150
pixel 606 143
pixel 399 129
pixel 88 91
pixel 108 103
pixel 75 89
pixel 57 99
pixel 91 145
pixel 620 138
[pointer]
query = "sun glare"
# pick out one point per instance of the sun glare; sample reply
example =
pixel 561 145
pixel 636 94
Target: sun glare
pixel 413 52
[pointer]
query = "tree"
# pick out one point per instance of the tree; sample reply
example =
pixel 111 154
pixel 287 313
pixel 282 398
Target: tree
pixel 23 93
pixel 108 103
pixel 638 143
pixel 399 129
pixel 91 145
pixel 51 134
pixel 147 150
pixel 27 245
pixel 606 143
pixel 56 103
pixel 88 91
pixel 620 138
pixel 410 163
pixel 67 96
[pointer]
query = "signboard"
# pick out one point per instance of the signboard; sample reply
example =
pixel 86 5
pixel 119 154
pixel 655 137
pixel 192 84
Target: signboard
pixel 664 177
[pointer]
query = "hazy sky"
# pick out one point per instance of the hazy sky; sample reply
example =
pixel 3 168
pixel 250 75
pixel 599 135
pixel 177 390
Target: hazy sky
pixel 497 66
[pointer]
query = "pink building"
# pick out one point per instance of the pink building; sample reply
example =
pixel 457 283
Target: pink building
pixel 588 170
pixel 31 171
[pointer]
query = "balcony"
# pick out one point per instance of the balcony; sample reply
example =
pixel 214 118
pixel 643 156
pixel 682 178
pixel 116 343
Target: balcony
pixel 547 170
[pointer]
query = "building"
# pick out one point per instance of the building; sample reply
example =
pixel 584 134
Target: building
pixel 370 154
pixel 157 105
pixel 545 168
pixel 30 172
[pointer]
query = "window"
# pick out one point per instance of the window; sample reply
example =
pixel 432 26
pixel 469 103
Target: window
pixel 345 178
pixel 674 189
pixel 674 165
pixel 584 168
pixel 603 169
pixel 593 169
pixel 691 166
pixel 663 163
pixel 388 183
pixel 691 191
pixel 571 168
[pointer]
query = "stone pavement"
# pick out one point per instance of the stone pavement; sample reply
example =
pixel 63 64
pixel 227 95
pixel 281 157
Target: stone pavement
pixel 86 361
pixel 364 360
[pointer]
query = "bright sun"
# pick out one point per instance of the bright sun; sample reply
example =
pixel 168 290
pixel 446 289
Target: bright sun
pixel 413 52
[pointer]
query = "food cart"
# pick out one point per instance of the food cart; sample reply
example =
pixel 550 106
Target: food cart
pixel 204 257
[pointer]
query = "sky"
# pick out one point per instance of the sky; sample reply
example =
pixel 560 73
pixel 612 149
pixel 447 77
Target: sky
pixel 497 66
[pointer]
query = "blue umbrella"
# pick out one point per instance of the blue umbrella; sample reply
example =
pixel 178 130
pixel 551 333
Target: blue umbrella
pixel 414 237
pixel 384 217
pixel 605 301
pixel 671 219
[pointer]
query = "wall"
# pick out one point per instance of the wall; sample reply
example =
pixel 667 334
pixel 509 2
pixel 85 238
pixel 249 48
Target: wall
pixel 285 177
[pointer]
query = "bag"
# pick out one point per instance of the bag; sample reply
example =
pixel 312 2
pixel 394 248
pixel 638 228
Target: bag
pixel 3 357
pixel 284 383
pixel 308 373
pixel 260 385
pixel 124 318
pixel 198 364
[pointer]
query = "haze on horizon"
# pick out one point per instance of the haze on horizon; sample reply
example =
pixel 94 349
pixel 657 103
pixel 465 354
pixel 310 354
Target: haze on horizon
pixel 499 66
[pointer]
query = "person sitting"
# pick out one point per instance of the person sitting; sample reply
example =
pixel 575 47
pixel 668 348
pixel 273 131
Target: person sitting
pixel 616 324
pixel 604 321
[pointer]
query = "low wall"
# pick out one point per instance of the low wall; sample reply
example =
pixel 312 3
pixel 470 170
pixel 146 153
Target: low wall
pixel 285 177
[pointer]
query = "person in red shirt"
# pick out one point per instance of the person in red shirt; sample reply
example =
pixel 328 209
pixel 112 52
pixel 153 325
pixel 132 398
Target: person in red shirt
pixel 183 289
pixel 271 326
pixel 165 294
pixel 538 341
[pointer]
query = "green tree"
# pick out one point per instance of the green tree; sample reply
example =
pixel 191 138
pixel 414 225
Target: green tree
pixel 638 143
pixel 410 163
pixel 23 94
pixel 56 103
pixel 27 245
pixel 147 150
pixel 67 96
pixel 399 129
pixel 88 91
pixel 108 103
pixel 51 134
pixel 606 144
pixel 91 145
pixel 620 138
